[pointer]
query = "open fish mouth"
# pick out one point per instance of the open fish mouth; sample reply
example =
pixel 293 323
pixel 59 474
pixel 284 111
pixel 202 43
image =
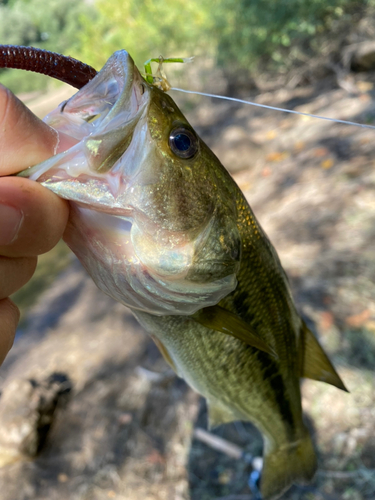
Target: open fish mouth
pixel 101 125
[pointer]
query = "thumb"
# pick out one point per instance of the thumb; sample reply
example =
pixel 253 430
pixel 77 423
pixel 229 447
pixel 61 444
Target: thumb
pixel 24 139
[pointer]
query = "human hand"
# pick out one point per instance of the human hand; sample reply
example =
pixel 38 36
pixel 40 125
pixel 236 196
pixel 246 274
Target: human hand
pixel 32 218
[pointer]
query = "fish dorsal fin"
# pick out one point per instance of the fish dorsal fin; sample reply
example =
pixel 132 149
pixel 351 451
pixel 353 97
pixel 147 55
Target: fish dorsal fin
pixel 315 363
pixel 220 319
pixel 218 415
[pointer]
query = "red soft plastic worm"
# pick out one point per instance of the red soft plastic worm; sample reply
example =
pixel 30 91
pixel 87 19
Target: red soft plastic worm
pixel 64 68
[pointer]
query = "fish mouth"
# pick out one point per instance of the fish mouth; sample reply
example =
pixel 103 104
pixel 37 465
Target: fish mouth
pixel 104 125
pixel 110 174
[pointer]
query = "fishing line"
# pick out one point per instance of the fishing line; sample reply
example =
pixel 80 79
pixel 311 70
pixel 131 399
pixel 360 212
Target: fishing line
pixel 273 108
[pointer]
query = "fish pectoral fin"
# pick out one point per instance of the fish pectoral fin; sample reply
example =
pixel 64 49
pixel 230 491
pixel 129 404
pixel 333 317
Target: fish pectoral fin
pixel 164 352
pixel 218 415
pixel 220 319
pixel 315 363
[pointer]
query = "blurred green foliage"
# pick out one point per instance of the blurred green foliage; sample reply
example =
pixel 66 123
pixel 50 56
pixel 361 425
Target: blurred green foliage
pixel 277 33
pixel 147 28
pixel 241 35
pixel 54 25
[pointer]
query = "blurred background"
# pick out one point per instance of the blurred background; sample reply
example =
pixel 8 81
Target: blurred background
pixel 246 39
pixel 88 408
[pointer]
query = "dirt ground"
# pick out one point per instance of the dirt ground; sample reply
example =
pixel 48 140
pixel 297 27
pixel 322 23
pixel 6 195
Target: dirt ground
pixel 125 431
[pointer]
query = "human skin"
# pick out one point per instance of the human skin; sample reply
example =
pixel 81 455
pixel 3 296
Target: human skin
pixel 32 218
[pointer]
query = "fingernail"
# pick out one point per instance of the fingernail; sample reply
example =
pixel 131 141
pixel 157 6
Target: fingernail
pixel 10 223
pixel 64 142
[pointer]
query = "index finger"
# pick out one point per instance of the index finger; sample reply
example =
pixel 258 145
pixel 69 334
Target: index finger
pixel 33 218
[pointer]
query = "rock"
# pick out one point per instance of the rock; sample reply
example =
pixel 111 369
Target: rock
pixel 27 410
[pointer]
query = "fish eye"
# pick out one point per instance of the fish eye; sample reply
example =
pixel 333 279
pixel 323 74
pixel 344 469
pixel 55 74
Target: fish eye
pixel 183 142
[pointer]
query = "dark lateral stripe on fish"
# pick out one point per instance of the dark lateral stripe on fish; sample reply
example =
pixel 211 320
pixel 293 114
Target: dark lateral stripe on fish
pixel 270 370
pixel 271 375
pixel 239 301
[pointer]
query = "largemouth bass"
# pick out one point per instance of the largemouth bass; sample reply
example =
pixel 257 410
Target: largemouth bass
pixel 162 227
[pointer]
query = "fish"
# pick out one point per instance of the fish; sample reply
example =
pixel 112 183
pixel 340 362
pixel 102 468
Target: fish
pixel 162 227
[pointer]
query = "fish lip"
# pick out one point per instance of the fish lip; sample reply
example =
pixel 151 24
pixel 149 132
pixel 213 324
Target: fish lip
pixel 112 99
pixel 119 96
pixel 117 80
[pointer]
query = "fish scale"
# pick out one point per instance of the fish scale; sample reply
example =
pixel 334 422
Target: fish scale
pixel 168 233
pixel 244 380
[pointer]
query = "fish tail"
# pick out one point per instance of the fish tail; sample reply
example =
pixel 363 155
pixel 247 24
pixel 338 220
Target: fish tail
pixel 295 462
